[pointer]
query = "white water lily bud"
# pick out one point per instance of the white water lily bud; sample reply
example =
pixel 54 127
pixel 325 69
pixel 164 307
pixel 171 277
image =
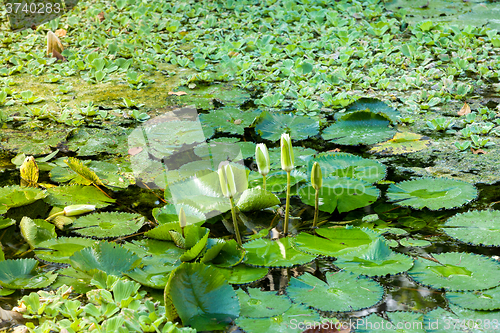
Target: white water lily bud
pixel 182 218
pixel 226 178
pixel 287 160
pixel 74 210
pixel 262 159
pixel 316 176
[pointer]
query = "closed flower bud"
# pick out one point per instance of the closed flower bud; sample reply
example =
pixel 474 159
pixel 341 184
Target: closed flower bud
pixel 226 178
pixel 316 176
pixel 182 218
pixel 262 158
pixel 74 210
pixel 287 159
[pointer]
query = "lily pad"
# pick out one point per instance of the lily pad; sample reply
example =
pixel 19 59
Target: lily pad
pixel 108 224
pixel 433 193
pixel 229 119
pixel 376 260
pixel 92 141
pixel 262 304
pixel 343 194
pixel 36 231
pixel 39 142
pixel 77 195
pixel 460 320
pixel 243 274
pixel 5 223
pixel 279 253
pixel 256 199
pixel 21 274
pixel 60 249
pixel 371 104
pixel 155 252
pixel 170 213
pixel 457 271
pixel 292 321
pixel 270 126
pixel 152 276
pixel 334 242
pixel 17 196
pixel 410 322
pixel 402 143
pixel 475 227
pixel 276 181
pixel 476 300
pixel 349 165
pixel 110 258
pixel 342 292
pixel 202 297
pixel 360 127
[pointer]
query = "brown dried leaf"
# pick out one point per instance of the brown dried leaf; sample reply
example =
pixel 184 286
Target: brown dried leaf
pixel 177 93
pixel 464 110
pixel 478 151
pixel 6 315
pixel 53 44
pixel 60 32
pixel 100 16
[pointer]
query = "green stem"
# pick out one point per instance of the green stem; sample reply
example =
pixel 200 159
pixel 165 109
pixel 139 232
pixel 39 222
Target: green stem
pixel 235 222
pixel 316 208
pixel 264 181
pixel 54 215
pixel 287 211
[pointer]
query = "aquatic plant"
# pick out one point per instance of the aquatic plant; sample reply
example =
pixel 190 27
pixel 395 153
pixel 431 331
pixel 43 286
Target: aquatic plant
pixel 263 162
pixel 287 164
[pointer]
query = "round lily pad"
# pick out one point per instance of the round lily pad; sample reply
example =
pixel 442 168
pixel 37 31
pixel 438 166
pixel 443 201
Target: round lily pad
pixel 262 304
pixel 77 195
pixel 278 253
pixel 460 320
pixel 402 143
pixel 153 276
pixel 476 300
pixel 475 227
pixel 21 274
pixel 271 125
pixel 457 271
pixel 243 274
pixel 396 322
pixel 60 249
pixel 108 224
pixel 342 292
pixel 433 193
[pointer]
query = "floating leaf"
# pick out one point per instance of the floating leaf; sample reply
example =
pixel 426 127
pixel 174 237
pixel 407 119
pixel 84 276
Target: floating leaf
pixel 464 110
pixel 63 196
pixel 333 242
pixel 410 322
pixel 154 252
pixel 294 320
pixel 276 181
pixel 343 194
pixel 376 260
pixel 279 253
pixel 170 213
pixel 196 249
pixel 243 274
pixel 460 320
pixel 270 126
pixel 475 227
pixel 373 105
pixel 457 271
pixel 256 199
pixel 349 165
pixel 162 232
pixel 5 223
pixel 21 274
pixel 412 242
pixel 359 127
pixel 110 258
pixel 108 224
pixel 231 254
pixel 60 249
pixel 229 119
pixel 402 143
pixel 262 304
pixel 433 193
pixel 342 292
pixel 202 297
pixel 152 276
pixel 36 231
pixel 476 300
pixel 88 176
pixel 17 196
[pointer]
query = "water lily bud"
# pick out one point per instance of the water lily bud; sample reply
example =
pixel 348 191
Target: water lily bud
pixel 182 218
pixel 286 153
pixel 53 44
pixel 74 210
pixel 226 178
pixel 316 176
pixel 262 157
pixel 29 171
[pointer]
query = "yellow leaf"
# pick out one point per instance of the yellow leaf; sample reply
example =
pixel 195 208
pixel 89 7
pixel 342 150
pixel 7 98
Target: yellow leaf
pixel 464 110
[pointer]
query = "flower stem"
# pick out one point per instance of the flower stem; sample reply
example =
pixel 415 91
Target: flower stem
pixel 287 211
pixel 316 208
pixel 264 181
pixel 235 222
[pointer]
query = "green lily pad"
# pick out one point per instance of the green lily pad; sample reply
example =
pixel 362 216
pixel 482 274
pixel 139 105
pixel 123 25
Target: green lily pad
pixel 152 276
pixel 170 213
pixel 402 143
pixel 17 196
pixel 63 196
pixel 21 274
pixel 223 253
pixel 302 156
pixel 39 142
pixel 60 249
pixel 36 231
pixel 476 300
pixel 457 272
pixel 270 126
pixel 334 242
pixel 162 232
pixel 243 274
pixel 371 104
pixel 113 259
pixel 343 194
pixel 342 292
pixel 412 242
pixel 279 253
pixel 460 320
pixel 256 199
pixel 202 297
pixel 433 193
pixel 262 304
pixel 5 223
pixel 229 119
pixel 399 321
pixel 376 260
pixel 155 252
pixel 348 165
pixel 276 181
pixel 292 321
pixel 475 227
pixel 360 127
pixel 92 141
pixel 108 224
